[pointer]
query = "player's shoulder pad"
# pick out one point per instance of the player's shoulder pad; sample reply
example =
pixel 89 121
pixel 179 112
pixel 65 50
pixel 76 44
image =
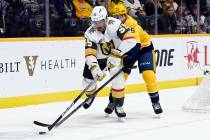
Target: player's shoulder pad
pixel 113 24
pixel 91 34
pixel 131 22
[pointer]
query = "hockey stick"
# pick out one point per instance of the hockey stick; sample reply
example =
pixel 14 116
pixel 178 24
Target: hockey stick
pixel 80 105
pixel 67 109
pixel 48 125
pixel 59 123
pixel 92 96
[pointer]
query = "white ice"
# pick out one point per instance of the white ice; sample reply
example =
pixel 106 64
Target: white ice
pixel 140 124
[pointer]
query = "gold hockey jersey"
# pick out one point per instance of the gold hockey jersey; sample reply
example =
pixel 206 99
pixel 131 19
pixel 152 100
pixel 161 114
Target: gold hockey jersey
pixel 140 35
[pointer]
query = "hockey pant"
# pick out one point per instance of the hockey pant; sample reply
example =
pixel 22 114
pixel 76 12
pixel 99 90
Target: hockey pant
pixel 118 86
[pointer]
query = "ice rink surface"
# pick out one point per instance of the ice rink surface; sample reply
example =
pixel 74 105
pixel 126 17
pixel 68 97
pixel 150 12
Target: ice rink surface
pixel 140 124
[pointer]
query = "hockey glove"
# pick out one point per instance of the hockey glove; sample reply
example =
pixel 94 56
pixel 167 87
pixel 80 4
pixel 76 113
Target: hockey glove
pixel 97 73
pixel 128 63
pixel 127 60
pixel 116 53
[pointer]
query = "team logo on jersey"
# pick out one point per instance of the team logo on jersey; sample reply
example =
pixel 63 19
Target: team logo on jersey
pixel 92 30
pixel 107 47
pixel 30 63
pixel 196 55
pixel 111 22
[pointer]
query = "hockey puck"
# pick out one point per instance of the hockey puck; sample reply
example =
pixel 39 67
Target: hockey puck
pixel 42 133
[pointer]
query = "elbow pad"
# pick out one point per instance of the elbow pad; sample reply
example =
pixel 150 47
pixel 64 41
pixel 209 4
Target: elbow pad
pixel 127 45
pixel 90 60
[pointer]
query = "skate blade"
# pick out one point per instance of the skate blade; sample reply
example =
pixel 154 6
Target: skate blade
pixel 157 116
pixel 121 119
pixel 107 115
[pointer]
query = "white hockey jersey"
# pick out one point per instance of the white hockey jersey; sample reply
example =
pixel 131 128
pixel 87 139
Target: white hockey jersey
pixel 116 36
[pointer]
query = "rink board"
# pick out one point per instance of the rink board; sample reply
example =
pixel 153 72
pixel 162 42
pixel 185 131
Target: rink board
pixel 42 70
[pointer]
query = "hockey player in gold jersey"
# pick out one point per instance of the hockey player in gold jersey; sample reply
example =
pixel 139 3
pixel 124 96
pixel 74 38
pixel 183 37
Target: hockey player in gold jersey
pixel 146 61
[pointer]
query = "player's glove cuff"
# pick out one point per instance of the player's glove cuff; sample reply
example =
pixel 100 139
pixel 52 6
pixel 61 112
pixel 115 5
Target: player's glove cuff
pixel 97 73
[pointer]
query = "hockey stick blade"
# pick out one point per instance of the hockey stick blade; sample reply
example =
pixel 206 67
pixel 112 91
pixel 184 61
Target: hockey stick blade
pixel 41 127
pixel 41 124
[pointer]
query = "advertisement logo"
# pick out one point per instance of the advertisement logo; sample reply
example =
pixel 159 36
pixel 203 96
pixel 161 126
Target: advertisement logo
pixel 192 54
pixel 30 63
pixel 196 55
pixel 164 57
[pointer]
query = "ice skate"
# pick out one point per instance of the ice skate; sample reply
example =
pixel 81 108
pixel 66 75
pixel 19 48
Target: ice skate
pixel 89 102
pixel 157 109
pixel 120 113
pixel 109 109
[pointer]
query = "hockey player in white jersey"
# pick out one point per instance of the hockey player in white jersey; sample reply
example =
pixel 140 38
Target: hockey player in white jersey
pixel 105 38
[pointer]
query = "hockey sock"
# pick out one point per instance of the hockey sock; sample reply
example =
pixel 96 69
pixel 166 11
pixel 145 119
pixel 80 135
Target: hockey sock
pixel 154 97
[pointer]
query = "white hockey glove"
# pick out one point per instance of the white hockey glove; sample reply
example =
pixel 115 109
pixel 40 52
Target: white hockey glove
pixel 116 53
pixel 97 73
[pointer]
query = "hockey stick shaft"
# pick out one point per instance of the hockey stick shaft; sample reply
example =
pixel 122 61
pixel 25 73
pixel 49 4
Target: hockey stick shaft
pixel 67 109
pixel 93 95
pixel 56 123
pixel 50 126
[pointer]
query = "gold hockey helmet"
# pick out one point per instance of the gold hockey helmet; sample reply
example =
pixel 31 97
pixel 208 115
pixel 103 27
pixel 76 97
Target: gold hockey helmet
pixel 119 9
